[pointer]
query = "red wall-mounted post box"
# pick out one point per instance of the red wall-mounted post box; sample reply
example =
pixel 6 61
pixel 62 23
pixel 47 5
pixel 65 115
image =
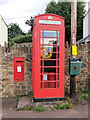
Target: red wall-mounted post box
pixel 19 69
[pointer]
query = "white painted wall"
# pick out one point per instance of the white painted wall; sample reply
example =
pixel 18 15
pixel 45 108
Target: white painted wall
pixel 3 32
pixel 86 24
pixel 88 5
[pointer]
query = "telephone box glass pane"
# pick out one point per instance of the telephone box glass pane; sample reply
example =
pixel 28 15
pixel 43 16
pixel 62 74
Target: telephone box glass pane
pixel 50 40
pixel 49 63
pixel 50 33
pixel 58 33
pixel 47 52
pixel 41 33
pixel 49 84
pixel 50 70
pixel 58 41
pixel 41 41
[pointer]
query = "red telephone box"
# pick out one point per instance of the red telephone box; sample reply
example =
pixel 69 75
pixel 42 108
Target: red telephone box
pixel 48 56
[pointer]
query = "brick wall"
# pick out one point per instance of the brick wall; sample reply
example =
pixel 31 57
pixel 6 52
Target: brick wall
pixel 11 88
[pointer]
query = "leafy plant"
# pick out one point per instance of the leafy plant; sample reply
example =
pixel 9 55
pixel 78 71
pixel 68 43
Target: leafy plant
pixel 63 106
pixel 83 97
pixel 58 106
pixel 31 108
pixel 10 41
pixel 26 109
pixel 18 97
pixel 22 38
pixel 66 105
pixel 68 99
pixel 39 109
pixel 57 98
pixel 14 30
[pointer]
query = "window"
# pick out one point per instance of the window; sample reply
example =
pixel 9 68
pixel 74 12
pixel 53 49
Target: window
pixel 49 33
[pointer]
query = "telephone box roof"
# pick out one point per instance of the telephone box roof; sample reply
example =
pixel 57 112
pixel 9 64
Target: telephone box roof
pixel 31 21
pixel 49 15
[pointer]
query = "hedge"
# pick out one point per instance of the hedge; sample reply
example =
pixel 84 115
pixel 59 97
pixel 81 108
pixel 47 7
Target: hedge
pixel 22 38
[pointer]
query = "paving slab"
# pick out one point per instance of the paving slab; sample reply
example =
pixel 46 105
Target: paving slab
pixel 24 102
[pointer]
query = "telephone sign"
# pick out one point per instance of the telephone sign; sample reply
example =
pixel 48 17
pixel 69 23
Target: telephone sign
pixel 45 77
pixel 48 56
pixel 50 22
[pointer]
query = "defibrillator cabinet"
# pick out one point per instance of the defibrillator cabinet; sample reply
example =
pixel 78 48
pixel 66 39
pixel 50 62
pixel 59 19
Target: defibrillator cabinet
pixel 74 66
pixel 48 56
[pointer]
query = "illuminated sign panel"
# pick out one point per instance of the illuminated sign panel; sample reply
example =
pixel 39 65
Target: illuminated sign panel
pixel 49 22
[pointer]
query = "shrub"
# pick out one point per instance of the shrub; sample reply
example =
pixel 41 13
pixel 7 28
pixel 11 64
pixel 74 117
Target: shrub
pixel 66 105
pixel 83 97
pixel 30 108
pixel 22 38
pixel 63 106
pixel 39 109
pixel 26 109
pixel 18 97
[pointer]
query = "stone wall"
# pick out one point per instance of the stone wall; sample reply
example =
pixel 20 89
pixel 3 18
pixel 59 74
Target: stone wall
pixel 11 88
pixel 89 67
pixel 82 79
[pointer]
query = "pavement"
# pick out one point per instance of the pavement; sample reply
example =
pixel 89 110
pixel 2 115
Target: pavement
pixel 9 105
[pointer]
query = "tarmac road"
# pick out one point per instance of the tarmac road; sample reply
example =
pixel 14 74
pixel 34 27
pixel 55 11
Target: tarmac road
pixel 77 111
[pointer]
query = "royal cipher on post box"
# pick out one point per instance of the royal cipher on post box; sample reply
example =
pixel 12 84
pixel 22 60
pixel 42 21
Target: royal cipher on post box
pixel 48 56
pixel 19 69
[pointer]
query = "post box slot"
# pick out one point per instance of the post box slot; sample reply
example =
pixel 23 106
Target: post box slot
pixel 19 61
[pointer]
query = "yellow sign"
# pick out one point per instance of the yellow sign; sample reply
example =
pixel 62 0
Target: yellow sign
pixel 74 50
